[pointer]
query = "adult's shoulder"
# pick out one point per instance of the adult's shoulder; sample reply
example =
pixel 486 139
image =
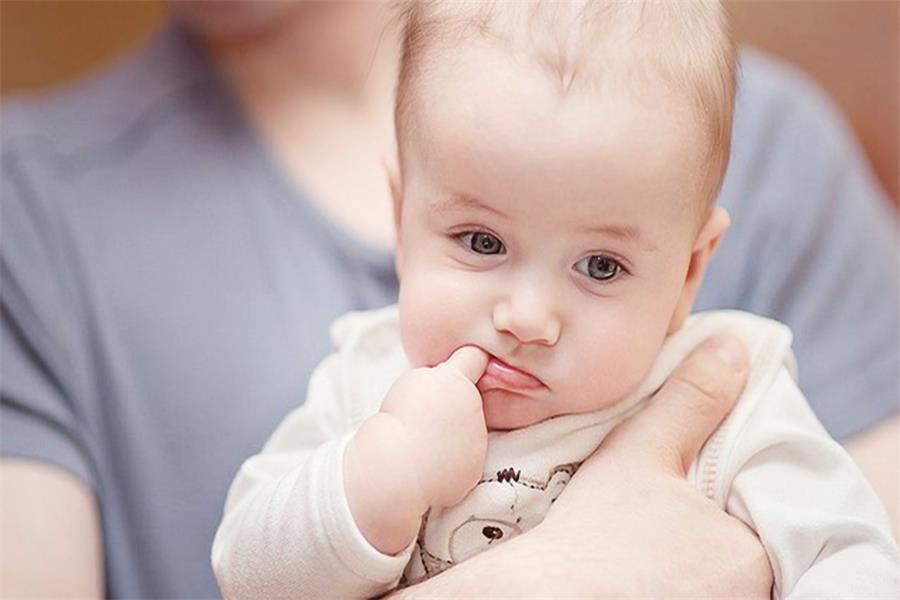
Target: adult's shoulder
pixel 94 156
pixel 787 140
pixel 805 207
pixel 84 166
pixel 796 171
pixel 767 83
pixel 99 107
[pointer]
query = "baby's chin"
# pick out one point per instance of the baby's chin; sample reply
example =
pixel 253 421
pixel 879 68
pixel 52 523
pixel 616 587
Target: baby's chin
pixel 504 410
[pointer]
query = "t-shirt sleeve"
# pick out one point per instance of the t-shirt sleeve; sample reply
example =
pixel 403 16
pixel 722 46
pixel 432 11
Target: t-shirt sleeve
pixel 839 295
pixel 814 246
pixel 42 374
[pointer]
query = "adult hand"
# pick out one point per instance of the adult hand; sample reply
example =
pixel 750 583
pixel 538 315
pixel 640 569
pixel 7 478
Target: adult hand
pixel 651 527
pixel 628 523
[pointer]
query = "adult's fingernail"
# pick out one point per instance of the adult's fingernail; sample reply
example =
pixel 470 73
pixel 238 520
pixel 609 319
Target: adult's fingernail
pixel 729 349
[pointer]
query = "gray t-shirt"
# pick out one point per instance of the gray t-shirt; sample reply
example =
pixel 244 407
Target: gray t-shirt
pixel 166 291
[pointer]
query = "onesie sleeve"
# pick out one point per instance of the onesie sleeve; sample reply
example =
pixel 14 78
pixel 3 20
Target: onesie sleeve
pixel 823 527
pixel 287 530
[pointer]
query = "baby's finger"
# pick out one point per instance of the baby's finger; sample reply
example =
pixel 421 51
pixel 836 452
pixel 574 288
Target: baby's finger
pixel 471 361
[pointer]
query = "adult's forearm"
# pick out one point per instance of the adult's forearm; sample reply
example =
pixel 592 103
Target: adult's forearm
pixel 521 567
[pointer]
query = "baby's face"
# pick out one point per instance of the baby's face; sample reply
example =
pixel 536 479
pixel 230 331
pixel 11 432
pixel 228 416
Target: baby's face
pixel 554 232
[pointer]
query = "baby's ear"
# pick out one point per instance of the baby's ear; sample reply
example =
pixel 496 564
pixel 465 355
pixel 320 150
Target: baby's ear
pixel 394 183
pixel 705 245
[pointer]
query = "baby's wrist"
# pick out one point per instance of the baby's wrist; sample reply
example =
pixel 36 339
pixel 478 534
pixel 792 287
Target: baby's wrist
pixel 382 487
pixel 391 457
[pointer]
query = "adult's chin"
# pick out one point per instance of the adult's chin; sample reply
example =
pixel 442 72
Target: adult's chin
pixel 232 19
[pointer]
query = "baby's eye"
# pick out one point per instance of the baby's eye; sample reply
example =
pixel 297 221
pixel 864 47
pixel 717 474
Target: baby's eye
pixel 599 267
pixel 482 242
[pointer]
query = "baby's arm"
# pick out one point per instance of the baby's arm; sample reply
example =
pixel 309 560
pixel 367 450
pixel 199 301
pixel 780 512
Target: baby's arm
pixel 822 525
pixel 425 447
pixel 323 511
pixel 287 530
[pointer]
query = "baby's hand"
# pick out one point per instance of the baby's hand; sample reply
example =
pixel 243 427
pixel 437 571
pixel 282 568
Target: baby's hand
pixel 425 448
pixel 441 413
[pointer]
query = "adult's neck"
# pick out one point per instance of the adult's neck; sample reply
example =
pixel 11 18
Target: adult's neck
pixel 318 87
pixel 317 57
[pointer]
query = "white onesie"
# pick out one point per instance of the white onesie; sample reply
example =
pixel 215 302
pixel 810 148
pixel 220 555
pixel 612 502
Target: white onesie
pixel 287 530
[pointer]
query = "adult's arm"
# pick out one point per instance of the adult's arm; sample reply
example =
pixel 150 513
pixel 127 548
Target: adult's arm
pixel 52 544
pixel 629 524
pixel 51 533
pixel 813 244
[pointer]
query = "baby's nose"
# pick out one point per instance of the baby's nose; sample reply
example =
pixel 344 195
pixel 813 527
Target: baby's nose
pixel 528 317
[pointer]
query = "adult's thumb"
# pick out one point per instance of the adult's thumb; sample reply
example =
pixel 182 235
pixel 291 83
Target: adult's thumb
pixel 681 416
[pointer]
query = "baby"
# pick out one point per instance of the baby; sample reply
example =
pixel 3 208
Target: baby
pixel 554 213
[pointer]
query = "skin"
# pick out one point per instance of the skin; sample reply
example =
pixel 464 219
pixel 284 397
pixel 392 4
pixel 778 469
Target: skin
pixel 552 204
pixel 312 124
pixel 650 544
pixel 543 211
pixel 647 448
pixel 329 127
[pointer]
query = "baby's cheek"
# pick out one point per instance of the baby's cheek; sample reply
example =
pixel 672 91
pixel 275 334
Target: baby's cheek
pixel 618 364
pixel 431 322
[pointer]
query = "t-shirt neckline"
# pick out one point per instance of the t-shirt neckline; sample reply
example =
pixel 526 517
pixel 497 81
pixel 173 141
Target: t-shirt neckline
pixel 262 159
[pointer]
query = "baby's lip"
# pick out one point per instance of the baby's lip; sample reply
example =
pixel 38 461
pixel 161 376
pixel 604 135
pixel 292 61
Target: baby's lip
pixel 500 375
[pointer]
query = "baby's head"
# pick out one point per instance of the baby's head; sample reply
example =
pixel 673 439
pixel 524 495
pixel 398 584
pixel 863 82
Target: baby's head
pixel 559 163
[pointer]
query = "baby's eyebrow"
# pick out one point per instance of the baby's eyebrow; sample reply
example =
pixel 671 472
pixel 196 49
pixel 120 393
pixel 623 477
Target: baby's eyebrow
pixel 457 202
pixel 628 233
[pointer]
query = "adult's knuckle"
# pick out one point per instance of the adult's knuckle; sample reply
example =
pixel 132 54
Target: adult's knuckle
pixel 703 378
pixel 701 396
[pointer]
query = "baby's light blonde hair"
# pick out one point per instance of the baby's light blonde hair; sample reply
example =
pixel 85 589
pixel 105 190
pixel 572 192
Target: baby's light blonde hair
pixel 579 44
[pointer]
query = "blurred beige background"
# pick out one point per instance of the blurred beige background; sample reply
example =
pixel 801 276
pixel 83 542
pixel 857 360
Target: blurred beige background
pixel 849 46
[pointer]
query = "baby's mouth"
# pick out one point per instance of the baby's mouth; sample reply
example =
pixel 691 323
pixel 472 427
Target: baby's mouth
pixel 499 375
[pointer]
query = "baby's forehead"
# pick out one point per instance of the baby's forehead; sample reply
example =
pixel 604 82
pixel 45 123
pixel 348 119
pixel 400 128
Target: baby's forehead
pixel 503 135
pixel 575 42
pixel 649 48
